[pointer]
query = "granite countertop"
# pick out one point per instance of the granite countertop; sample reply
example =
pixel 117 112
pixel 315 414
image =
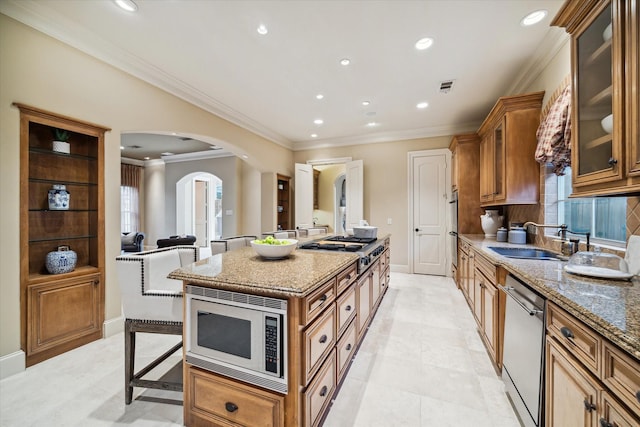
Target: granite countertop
pixel 611 307
pixel 243 270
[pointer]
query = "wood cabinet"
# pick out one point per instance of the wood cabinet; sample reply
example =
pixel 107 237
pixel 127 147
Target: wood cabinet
pixel 465 179
pixel 284 202
pixel 465 271
pixel 589 381
pixel 509 173
pixel 488 310
pixel 324 332
pixel 606 75
pixel 60 311
pixel 212 400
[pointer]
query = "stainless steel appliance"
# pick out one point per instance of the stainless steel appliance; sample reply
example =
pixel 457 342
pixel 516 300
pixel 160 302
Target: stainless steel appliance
pixel 369 249
pixel 523 353
pixel 454 227
pixel 238 335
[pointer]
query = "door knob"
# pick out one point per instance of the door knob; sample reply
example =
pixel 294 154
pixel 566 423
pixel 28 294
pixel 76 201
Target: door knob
pixel 417 229
pixel 612 161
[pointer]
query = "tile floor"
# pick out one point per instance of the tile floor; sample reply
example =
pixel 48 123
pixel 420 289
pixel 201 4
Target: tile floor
pixel 421 364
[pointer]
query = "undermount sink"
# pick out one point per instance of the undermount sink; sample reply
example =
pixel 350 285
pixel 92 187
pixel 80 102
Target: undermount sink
pixel 524 253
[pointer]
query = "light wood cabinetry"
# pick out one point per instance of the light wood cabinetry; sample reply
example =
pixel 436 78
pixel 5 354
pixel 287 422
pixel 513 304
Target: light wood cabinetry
pixel 606 77
pixel 509 173
pixel 465 271
pixel 324 333
pixel 212 400
pixel 465 179
pixel 60 311
pixel 589 381
pixel 284 202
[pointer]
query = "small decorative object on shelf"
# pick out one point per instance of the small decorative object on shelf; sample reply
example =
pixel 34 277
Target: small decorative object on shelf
pixel 61 261
pixel 59 198
pixel 60 143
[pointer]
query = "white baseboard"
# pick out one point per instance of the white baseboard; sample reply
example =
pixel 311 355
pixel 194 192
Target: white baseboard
pixel 112 327
pixel 12 364
pixel 397 268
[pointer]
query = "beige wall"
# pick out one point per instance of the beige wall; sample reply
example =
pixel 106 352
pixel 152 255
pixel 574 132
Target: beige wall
pixel 40 71
pixel 385 184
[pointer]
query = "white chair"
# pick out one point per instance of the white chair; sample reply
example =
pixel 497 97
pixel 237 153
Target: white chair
pixel 151 303
pixel 282 234
pixel 219 246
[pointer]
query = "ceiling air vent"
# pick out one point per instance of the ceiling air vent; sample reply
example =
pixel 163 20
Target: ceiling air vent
pixel 446 86
pixel 134 147
pixel 186 138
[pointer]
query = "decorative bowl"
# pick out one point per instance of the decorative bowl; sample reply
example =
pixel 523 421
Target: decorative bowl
pixel 275 251
pixel 607 123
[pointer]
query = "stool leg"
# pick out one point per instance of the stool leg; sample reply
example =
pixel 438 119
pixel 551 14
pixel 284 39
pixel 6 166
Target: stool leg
pixel 129 359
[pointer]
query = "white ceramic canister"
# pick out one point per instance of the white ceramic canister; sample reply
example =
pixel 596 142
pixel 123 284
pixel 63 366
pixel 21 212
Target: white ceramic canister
pixel 59 198
pixel 517 235
pixel 501 234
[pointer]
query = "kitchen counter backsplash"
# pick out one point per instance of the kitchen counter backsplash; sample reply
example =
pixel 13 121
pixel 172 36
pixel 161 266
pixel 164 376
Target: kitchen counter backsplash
pixel 611 307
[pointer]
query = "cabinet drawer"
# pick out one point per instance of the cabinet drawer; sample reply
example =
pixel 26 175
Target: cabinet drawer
pixel 319 339
pixel 318 396
pixel 220 401
pixel 314 303
pixel 622 374
pixel 346 277
pixel 580 340
pixel 346 306
pixel 486 266
pixel 345 349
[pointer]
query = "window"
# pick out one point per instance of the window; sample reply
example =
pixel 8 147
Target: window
pixel 129 198
pixel 603 217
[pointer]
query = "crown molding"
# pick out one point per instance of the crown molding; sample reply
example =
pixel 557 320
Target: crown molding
pixel 200 155
pixel 375 138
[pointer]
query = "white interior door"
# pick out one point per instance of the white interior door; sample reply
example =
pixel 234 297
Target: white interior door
pixel 354 172
pixel 429 221
pixel 304 195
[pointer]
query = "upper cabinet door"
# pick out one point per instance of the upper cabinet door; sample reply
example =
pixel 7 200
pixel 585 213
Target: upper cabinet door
pixel 355 193
pixel 304 195
pixel 605 114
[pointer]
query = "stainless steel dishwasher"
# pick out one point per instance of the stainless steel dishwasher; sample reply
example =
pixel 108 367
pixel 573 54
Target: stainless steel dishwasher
pixel 523 354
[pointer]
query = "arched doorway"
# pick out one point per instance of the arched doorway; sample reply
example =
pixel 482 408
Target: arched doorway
pixel 199 206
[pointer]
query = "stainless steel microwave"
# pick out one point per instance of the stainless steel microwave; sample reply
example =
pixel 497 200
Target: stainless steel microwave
pixel 237 335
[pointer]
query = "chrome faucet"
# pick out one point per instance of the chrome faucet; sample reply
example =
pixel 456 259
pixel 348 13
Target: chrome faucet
pixel 562 228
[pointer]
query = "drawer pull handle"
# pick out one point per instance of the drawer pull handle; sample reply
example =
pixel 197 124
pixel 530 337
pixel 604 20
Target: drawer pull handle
pixel 348 308
pixel 323 391
pixel 567 333
pixel 588 406
pixel 638 396
pixel 323 339
pixel 323 298
pixel 231 407
pixel 605 423
pixel 348 346
pixel 348 277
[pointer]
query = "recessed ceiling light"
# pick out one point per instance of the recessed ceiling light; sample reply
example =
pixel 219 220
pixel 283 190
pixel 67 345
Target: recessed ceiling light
pixel 533 18
pixel 314 135
pixel 424 43
pixel 345 61
pixel 319 96
pixel 366 103
pixel 422 105
pixel 127 5
pixel 262 29
pixel 147 158
pixel 318 121
pixel 372 124
pixel 167 153
pixel 122 147
pixel 244 156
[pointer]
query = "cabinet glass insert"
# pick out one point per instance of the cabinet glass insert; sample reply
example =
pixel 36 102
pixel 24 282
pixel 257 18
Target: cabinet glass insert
pixel 594 95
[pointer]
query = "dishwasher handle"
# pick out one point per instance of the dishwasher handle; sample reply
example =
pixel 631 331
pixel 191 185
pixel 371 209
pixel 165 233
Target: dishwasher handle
pixel 507 290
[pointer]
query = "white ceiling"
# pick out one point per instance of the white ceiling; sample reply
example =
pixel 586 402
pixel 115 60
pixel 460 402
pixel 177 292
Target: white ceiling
pixel 209 53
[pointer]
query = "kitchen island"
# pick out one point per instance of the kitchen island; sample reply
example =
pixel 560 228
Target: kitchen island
pixel 329 303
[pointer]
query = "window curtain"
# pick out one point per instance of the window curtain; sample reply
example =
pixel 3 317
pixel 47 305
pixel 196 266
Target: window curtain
pixel 130 176
pixel 554 132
